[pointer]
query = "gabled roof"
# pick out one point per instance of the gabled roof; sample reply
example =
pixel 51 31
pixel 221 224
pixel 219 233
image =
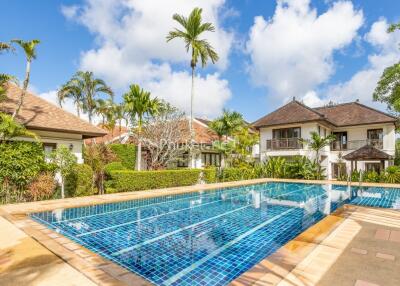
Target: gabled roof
pixel 367 152
pixel 291 113
pixel 39 114
pixel 347 114
pixel 354 113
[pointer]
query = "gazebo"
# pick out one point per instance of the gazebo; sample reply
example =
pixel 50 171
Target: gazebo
pixel 367 153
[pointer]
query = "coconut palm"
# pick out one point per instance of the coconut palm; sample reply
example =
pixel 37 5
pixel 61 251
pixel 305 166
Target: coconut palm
pixel 29 48
pixel 193 28
pixel 103 108
pixel 73 92
pixel 138 104
pixel 228 123
pixel 119 111
pixel 89 88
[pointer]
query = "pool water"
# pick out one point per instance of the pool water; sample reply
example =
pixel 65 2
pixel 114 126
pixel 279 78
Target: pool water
pixel 206 238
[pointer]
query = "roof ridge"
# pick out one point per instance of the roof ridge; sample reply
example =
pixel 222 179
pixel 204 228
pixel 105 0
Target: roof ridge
pixel 330 106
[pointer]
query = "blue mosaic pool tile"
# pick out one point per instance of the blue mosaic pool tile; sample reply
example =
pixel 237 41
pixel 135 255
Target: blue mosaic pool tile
pixel 206 238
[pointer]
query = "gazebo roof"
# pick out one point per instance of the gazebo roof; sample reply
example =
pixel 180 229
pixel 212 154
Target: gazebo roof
pixel 367 152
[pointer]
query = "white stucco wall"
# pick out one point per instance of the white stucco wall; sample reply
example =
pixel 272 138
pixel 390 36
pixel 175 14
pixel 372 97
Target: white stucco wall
pixel 353 133
pixel 60 138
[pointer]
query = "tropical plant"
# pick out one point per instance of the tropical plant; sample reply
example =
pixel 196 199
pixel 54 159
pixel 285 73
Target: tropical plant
pixel 274 167
pixel 29 48
pixel 65 162
pixel 392 174
pixel 229 123
pixel 84 88
pixel 317 143
pixel 226 149
pixel 138 104
pixel 244 143
pixel 73 92
pixel 9 128
pixel 193 28
pixel 371 177
pixel 103 108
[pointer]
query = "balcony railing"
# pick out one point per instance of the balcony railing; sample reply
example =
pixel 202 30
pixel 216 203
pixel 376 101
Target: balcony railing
pixel 284 144
pixel 356 144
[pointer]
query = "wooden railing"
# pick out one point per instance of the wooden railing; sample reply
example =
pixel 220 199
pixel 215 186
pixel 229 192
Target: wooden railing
pixel 284 144
pixel 356 144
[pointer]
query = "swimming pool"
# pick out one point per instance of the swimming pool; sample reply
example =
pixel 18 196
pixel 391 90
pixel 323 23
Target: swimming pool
pixel 206 237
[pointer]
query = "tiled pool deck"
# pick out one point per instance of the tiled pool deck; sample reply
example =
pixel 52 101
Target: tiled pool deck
pixel 353 246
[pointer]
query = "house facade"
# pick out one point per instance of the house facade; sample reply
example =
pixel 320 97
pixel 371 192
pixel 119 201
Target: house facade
pixel 53 125
pixel 365 137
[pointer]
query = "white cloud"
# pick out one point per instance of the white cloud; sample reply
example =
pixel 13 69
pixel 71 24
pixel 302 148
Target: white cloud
pixel 362 84
pixel 69 12
pixel 211 92
pixel 292 53
pixel 132 47
pixel 311 99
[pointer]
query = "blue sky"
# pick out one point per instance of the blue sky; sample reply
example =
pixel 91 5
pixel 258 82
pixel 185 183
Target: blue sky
pixel 318 51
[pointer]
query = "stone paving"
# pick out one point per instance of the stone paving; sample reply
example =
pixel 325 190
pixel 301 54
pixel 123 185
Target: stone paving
pixel 353 246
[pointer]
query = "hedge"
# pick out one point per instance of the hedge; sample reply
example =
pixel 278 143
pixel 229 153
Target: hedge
pixel 127 180
pixel 126 154
pixel 210 175
pixel 113 166
pixel 238 174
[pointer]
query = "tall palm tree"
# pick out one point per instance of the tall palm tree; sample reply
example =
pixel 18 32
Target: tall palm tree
pixel 120 113
pixel 103 108
pixel 228 123
pixel 193 28
pixel 89 88
pixel 139 104
pixel 29 48
pixel 73 92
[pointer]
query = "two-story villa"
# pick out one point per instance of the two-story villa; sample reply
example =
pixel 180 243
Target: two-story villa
pixel 365 137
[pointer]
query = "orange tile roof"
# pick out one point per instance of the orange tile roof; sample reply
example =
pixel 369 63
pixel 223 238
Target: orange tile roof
pixel 110 136
pixel 39 114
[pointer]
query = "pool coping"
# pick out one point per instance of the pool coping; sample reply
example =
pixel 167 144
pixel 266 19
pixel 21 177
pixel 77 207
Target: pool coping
pixel 103 271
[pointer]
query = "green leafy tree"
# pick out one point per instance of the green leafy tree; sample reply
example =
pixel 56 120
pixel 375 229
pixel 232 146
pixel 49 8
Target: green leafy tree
pixel 139 104
pixel 88 88
pixel 29 48
pixel 64 162
pixel 388 87
pixel 274 167
pixel 192 29
pixel 9 128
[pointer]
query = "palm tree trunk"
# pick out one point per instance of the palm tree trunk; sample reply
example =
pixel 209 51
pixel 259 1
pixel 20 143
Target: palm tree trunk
pixel 62 188
pixel 78 112
pixel 139 147
pixel 191 122
pixel 24 89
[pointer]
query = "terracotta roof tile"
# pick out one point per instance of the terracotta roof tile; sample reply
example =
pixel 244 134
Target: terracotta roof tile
pixel 347 114
pixel 39 114
pixel 293 112
pixel 354 113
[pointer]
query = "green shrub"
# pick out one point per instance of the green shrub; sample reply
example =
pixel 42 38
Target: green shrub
pixel 392 175
pixel 371 177
pixel 210 175
pixel 127 180
pixel 237 174
pixel 126 154
pixel 80 182
pixel 113 166
pixel 20 162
